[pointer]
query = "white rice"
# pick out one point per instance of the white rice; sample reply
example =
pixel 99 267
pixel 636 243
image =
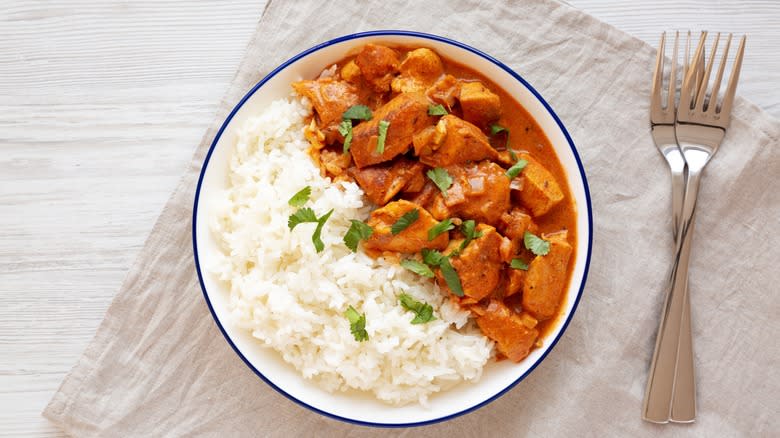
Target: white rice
pixel 293 299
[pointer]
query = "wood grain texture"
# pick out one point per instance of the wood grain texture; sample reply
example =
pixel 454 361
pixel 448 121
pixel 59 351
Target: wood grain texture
pixel 101 104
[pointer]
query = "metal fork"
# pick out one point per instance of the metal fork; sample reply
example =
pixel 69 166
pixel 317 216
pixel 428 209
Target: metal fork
pixel 700 128
pixel 662 122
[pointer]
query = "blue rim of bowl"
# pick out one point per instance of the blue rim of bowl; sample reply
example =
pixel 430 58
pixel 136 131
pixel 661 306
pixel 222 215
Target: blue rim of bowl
pixel 424 36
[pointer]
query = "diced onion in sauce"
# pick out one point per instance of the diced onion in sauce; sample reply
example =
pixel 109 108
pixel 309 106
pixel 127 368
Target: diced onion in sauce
pixel 477 185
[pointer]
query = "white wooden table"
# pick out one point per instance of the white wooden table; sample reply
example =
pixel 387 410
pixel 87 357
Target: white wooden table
pixel 101 105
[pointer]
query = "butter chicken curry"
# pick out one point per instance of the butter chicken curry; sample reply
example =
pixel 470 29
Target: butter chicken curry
pixel 469 190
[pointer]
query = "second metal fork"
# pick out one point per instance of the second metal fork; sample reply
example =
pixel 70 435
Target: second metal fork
pixel 699 129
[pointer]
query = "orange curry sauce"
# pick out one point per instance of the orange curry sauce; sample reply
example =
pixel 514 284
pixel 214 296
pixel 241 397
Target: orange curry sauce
pixel 401 85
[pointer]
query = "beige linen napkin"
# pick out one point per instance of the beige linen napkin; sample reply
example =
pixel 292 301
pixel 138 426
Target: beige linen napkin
pixel 158 365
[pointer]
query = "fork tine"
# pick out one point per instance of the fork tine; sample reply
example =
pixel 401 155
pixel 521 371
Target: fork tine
pixel 658 75
pixel 716 85
pixel 688 88
pixel 673 74
pixel 706 78
pixel 728 98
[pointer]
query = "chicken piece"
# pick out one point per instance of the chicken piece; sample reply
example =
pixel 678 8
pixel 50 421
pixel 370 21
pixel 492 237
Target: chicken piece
pixel 478 265
pixel 425 140
pixel 546 278
pixel 455 141
pixel 515 280
pixel 350 72
pixel 410 240
pixel 383 181
pixel 416 183
pixel 540 192
pixel 444 91
pixel 407 114
pixel 514 224
pixel 425 196
pixel 480 105
pixel 334 162
pixel 379 64
pixel 514 339
pixel 419 70
pixel 479 191
pixel 330 98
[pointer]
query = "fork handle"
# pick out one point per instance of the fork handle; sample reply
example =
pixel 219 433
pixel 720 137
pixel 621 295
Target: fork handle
pixel 670 391
pixel 683 400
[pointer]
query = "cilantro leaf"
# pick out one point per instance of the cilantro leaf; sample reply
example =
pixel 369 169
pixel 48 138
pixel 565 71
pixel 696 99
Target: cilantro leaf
pixel 357 231
pixel 451 277
pixel 301 197
pixel 417 267
pixel 303 215
pixel 537 245
pixel 306 215
pixel 496 128
pixel 518 264
pixel 357 324
pixel 380 140
pixel 423 312
pixel 432 257
pixel 404 221
pixel 359 112
pixel 469 230
pixel 516 169
pixel 318 245
pixel 441 178
pixel 345 129
pixel 441 227
pixel 437 110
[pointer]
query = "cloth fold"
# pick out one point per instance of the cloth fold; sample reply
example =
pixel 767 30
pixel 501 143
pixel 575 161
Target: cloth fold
pixel 158 365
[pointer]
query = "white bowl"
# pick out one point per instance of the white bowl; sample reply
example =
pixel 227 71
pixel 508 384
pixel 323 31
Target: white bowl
pixel 354 407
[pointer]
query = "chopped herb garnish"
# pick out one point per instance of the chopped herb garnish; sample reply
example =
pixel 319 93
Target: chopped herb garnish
pixel 357 231
pixel 359 112
pixel 380 140
pixel 301 197
pixel 441 227
pixel 303 215
pixel 537 245
pixel 404 221
pixel 441 178
pixel 469 230
pixel 432 257
pixel 306 215
pixel 512 153
pixel 318 245
pixel 437 110
pixel 356 112
pixel 357 324
pixel 516 169
pixel 345 129
pixel 423 312
pixel 495 129
pixel 518 264
pixel 417 267
pixel 451 277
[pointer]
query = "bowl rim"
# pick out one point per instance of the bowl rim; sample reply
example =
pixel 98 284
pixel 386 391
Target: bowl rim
pixel 407 33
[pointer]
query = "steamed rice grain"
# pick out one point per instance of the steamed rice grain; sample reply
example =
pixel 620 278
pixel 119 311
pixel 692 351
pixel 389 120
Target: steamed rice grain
pixel 293 299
